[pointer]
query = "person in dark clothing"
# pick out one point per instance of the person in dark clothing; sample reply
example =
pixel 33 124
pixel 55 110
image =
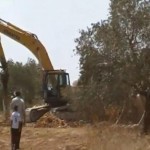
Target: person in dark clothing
pixel 15 128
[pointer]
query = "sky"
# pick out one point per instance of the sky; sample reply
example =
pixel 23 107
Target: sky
pixel 56 23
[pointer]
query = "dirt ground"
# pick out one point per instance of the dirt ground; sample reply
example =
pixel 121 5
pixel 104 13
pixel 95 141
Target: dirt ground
pixel 99 136
pixel 46 138
pixel 48 133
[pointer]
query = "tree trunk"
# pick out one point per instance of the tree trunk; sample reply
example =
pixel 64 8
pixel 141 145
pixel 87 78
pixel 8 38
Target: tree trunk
pixel 4 80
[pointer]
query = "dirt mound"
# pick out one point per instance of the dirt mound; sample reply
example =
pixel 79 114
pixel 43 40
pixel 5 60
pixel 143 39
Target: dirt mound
pixel 49 120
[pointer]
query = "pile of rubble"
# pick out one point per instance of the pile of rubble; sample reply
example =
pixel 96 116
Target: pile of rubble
pixel 49 120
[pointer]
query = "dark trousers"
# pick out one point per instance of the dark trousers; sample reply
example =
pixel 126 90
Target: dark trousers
pixel 15 137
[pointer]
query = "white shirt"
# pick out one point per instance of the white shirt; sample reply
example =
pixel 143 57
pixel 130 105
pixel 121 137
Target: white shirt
pixel 16 119
pixel 18 101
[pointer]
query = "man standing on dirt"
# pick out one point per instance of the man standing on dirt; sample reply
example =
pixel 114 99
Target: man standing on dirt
pixel 19 102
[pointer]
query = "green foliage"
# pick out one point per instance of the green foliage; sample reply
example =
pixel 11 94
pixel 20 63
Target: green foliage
pixel 25 77
pixel 114 53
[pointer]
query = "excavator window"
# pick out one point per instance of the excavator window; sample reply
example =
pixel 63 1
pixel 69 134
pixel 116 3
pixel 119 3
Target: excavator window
pixel 55 80
pixel 64 79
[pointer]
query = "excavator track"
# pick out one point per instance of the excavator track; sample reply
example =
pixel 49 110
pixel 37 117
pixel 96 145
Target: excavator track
pixel 34 113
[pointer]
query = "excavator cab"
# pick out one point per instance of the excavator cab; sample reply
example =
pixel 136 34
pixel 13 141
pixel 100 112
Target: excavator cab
pixel 54 83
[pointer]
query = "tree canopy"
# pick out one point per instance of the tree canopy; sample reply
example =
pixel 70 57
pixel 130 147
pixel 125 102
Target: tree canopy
pixel 25 77
pixel 114 53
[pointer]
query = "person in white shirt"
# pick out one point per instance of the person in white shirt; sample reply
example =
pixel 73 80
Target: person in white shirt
pixel 19 102
pixel 15 128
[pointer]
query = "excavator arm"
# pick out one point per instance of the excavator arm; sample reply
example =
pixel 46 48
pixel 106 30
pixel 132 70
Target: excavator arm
pixel 29 40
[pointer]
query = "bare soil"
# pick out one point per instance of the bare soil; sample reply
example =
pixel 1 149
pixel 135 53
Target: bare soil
pixel 46 138
pixel 99 136
pixel 48 133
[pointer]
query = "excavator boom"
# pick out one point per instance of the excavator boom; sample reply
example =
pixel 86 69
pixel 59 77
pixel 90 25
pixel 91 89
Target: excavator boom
pixel 29 40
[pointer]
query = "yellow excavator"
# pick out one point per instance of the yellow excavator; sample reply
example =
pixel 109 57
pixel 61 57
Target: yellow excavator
pixel 54 82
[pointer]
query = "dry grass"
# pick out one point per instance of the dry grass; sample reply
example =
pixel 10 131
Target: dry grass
pixel 108 137
pixel 46 138
pixel 102 136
